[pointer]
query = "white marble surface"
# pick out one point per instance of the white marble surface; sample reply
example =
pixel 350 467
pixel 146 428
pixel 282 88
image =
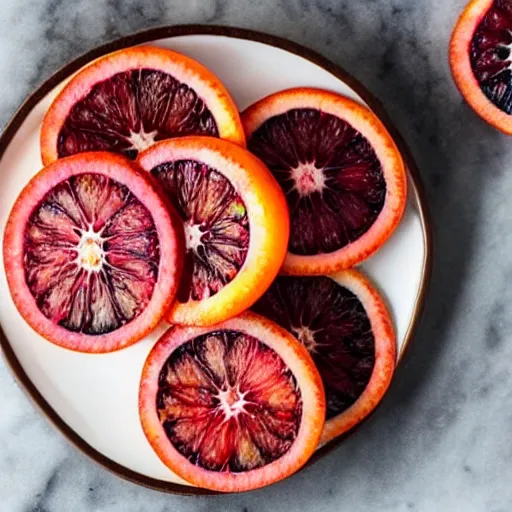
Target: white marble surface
pixel 442 439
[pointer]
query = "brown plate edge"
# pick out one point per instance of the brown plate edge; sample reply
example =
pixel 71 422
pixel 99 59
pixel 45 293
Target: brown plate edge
pixel 232 32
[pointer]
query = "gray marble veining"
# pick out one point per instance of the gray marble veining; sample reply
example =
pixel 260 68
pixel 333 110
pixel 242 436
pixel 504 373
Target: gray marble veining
pixel 442 439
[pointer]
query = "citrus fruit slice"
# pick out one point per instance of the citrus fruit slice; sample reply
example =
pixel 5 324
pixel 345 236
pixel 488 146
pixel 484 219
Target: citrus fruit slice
pixel 480 60
pixel 233 407
pixel 236 225
pixel 345 326
pixel 92 253
pixel 125 101
pixel 342 174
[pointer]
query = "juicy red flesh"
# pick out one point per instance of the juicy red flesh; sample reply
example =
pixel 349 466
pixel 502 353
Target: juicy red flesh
pixel 333 325
pixel 132 102
pixel 199 405
pixel 91 207
pixel 206 200
pixel 353 190
pixel 490 54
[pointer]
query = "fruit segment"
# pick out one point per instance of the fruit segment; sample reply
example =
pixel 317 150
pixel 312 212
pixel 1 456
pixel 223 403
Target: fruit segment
pixel 330 174
pixel 235 221
pixel 344 325
pixel 343 177
pixel 92 253
pixel 228 403
pixel 129 111
pixel 215 222
pixel 232 407
pixel 127 100
pixel 490 54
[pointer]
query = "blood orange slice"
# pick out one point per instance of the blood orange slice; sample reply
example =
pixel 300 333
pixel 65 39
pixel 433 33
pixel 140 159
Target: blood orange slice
pixel 480 60
pixel 342 174
pixel 345 326
pixel 92 253
pixel 233 407
pixel 236 225
pixel 127 100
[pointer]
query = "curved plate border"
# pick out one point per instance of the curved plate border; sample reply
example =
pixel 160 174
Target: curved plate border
pixel 251 35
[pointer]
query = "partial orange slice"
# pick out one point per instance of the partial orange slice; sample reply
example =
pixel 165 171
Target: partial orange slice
pixel 343 322
pixel 234 407
pixel 235 220
pixel 92 253
pixel 480 60
pixel 125 101
pixel 343 176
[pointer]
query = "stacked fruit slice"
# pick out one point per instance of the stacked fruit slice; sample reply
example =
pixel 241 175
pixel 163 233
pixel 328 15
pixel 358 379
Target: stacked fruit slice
pixel 92 253
pixel 342 174
pixel 235 221
pixel 150 209
pixel 232 408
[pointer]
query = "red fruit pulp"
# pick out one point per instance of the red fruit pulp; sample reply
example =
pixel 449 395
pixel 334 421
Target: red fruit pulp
pixel 129 111
pixel 228 402
pixel 490 54
pixel 91 255
pixel 330 174
pixel 332 324
pixel 216 226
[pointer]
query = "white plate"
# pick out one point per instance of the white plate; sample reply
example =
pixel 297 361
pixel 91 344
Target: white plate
pixel 96 395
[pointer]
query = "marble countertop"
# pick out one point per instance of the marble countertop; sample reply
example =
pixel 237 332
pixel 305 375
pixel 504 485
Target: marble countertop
pixel 442 439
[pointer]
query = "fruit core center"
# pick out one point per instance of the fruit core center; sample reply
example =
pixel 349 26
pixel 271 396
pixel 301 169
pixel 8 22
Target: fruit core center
pixel 232 402
pixel 142 140
pixel 306 336
pixel 193 234
pixel 90 251
pixel 308 178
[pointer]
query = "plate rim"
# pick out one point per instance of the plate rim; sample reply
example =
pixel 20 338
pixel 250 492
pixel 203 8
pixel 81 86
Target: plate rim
pixel 170 31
